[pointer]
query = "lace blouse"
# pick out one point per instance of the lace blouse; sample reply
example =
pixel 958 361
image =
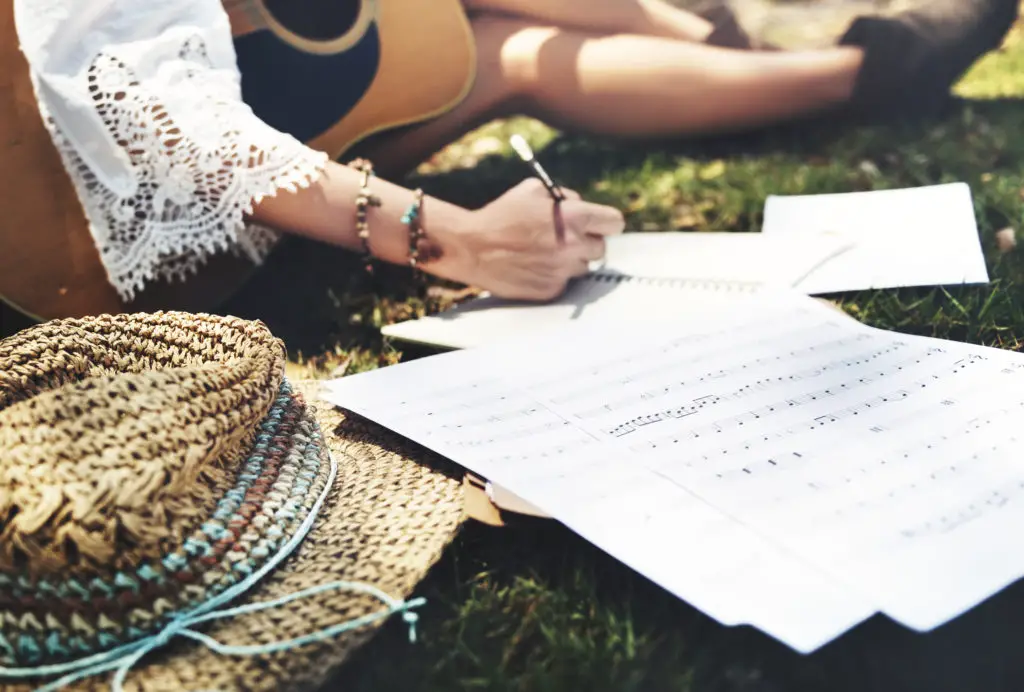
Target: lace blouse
pixel 143 101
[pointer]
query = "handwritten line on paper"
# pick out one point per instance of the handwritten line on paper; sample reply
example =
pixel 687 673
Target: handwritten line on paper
pixel 806 487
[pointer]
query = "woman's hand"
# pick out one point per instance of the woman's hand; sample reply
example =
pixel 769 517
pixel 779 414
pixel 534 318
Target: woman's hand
pixel 524 246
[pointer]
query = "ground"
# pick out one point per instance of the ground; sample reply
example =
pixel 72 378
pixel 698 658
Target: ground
pixel 532 606
pixel 701 185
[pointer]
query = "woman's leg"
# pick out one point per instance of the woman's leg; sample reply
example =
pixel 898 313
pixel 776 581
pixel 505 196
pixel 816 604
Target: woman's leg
pixel 641 86
pixel 624 86
pixel 647 17
pixel 628 85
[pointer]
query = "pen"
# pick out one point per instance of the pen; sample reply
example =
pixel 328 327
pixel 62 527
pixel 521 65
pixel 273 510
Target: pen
pixel 526 154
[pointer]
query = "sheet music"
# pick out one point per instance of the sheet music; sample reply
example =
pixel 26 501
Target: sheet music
pixel 922 236
pixel 778 464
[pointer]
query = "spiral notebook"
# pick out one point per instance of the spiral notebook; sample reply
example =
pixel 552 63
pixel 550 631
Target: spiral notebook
pixel 645 277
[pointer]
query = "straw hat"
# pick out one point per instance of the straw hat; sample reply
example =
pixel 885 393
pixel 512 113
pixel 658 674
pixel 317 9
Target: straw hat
pixel 158 470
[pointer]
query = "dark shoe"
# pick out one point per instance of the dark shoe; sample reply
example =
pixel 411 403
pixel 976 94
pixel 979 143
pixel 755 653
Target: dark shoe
pixel 912 59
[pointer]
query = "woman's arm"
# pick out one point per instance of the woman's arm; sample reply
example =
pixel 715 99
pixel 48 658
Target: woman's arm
pixel 326 211
pixel 144 102
pixel 522 245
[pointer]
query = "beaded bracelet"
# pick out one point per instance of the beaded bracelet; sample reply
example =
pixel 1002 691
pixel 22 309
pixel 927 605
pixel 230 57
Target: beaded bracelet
pixel 413 218
pixel 364 201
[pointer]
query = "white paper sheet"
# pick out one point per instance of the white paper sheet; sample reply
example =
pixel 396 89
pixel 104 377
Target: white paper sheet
pixel 778 464
pixel 491 320
pixel 723 256
pixel 645 277
pixel 923 236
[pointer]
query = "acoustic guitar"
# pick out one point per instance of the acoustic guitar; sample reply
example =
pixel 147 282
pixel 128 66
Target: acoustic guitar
pixel 331 78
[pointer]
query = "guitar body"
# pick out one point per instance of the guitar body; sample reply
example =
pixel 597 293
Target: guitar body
pixel 394 64
pixel 398 63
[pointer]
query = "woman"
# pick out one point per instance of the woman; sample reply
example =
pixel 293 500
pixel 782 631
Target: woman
pixel 144 101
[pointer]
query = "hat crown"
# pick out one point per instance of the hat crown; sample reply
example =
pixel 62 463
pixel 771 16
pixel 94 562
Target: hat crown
pixel 118 434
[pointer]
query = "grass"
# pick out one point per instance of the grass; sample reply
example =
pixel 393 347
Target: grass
pixel 532 606
pixel 700 185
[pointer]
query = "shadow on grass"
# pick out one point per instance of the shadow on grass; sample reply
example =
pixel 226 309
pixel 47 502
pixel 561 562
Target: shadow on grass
pixel 534 607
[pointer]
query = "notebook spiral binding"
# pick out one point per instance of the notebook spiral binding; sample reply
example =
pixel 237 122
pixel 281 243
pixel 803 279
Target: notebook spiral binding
pixel 718 285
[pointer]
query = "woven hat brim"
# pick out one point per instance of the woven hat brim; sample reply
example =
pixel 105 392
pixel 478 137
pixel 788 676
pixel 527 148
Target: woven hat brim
pixel 387 519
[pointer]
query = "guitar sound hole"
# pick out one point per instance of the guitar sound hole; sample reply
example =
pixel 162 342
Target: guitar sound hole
pixel 316 20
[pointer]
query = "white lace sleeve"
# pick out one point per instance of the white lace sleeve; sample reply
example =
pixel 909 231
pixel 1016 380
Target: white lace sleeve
pixel 143 101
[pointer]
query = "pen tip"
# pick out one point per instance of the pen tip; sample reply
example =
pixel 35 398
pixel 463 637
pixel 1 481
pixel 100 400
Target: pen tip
pixel 521 147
